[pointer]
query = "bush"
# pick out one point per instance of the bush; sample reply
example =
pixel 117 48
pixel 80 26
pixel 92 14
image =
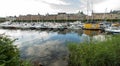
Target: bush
pixel 105 53
pixel 9 54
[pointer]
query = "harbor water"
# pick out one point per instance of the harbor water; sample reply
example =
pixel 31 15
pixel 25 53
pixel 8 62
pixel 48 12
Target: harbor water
pixel 47 47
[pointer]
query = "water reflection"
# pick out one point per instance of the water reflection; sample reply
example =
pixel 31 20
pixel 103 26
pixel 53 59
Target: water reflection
pixel 92 32
pixel 46 47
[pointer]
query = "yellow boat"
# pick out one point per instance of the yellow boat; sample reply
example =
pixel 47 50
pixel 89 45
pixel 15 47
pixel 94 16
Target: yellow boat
pixel 91 26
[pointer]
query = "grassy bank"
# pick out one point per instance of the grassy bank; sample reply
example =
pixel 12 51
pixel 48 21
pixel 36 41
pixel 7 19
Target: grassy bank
pixel 105 53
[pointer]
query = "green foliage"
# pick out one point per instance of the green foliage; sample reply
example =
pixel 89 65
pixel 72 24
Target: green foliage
pixel 2 20
pixel 105 53
pixel 25 63
pixel 9 54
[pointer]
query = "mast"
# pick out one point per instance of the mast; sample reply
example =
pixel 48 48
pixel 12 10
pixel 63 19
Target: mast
pixel 92 10
pixel 87 10
pixel 104 16
pixel 31 18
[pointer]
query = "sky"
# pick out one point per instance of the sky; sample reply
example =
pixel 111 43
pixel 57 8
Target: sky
pixel 23 7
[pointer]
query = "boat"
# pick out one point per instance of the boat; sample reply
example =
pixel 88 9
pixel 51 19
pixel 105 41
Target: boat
pixel 75 25
pixel 112 29
pixel 105 24
pixel 92 26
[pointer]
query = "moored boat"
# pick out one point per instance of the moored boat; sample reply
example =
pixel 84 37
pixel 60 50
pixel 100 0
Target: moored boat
pixel 112 29
pixel 91 26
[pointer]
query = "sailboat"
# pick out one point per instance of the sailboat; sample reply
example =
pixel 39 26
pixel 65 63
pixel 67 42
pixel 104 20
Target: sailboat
pixel 91 25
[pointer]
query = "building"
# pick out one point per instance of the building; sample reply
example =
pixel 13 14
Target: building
pixel 103 16
pixel 52 17
pixel 30 17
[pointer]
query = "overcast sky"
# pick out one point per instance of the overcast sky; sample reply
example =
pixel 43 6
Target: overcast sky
pixel 23 7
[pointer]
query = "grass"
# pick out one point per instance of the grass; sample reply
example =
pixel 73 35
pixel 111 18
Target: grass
pixel 106 53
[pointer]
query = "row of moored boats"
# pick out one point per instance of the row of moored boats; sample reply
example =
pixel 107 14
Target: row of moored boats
pixel 106 26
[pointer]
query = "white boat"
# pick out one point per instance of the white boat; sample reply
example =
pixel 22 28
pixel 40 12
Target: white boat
pixel 113 29
pixel 105 25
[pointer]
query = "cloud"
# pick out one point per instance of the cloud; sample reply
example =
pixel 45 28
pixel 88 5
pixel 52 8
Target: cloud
pixel 107 6
pixel 57 2
pixel 72 5
pixel 17 7
pixel 64 5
